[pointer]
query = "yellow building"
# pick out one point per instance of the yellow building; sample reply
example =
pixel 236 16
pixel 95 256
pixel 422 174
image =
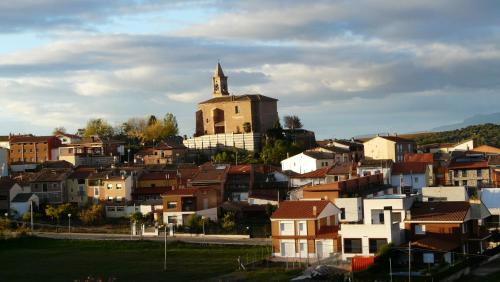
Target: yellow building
pixel 388 147
pixel 226 113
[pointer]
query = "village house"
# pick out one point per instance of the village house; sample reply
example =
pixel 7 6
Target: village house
pixel 164 153
pixel 334 173
pixel 33 149
pixel 494 165
pixel 112 189
pixel 50 185
pixel 470 170
pixel 76 185
pixel 370 167
pixel 303 230
pixel 307 161
pixel 382 224
pixel 179 204
pixel 411 176
pixel 8 190
pixel 446 148
pixel 388 147
pixel 151 185
pixel 446 227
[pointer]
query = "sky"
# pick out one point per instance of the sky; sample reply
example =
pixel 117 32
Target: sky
pixel 344 67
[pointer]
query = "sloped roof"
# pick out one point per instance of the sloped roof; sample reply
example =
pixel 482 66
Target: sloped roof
pixel 487 149
pixel 439 211
pixel 245 97
pixel 344 168
pixel 22 197
pixel 240 169
pixel 468 165
pixel 409 168
pixel 319 173
pixel 319 155
pixel 437 243
pixel 371 163
pixel 29 138
pixel 51 175
pixel 299 209
pixel 6 183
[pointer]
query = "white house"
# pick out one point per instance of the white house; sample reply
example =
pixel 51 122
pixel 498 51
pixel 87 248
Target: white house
pixel 382 224
pixel 371 167
pixel 307 161
pixel 411 174
pixel 351 209
pixel 22 202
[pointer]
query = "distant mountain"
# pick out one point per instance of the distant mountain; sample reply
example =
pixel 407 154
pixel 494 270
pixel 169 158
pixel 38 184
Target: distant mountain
pixel 474 120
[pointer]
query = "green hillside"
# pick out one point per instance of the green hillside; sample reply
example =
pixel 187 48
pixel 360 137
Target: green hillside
pixel 488 134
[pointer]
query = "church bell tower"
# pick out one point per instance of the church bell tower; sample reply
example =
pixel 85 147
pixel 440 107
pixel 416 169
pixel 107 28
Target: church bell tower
pixel 219 83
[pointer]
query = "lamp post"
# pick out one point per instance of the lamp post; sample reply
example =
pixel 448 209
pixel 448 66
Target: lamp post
pixel 203 224
pixel 128 155
pixel 31 215
pixel 165 249
pixel 69 223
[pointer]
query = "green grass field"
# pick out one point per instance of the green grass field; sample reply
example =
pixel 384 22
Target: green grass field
pixel 36 259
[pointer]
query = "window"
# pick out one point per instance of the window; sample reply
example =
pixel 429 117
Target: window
pixel 110 199
pixel 478 172
pixel 118 186
pixel 54 185
pixel 120 209
pixel 302 228
pixel 172 219
pixel 376 245
pixel 44 187
pixel 342 213
pixel 171 205
pixel 110 186
pixel 416 180
pixel 464 228
pixel 352 246
pixel 81 181
pixel 286 228
pixel 96 192
pixel 119 199
pixel 419 229
pixel 464 173
pixel 236 109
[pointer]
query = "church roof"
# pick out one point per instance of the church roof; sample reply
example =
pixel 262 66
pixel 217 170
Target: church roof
pixel 218 71
pixel 245 97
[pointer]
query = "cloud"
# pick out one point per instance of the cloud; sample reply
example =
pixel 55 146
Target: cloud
pixel 345 67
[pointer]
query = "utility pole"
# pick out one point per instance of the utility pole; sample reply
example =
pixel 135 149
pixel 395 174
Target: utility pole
pixel 390 268
pixel 31 213
pixel 165 251
pixel 409 261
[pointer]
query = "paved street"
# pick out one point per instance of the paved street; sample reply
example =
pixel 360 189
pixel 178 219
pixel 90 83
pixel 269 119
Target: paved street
pixel 194 239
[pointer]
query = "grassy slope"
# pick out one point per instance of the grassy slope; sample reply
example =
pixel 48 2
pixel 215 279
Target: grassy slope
pixel 36 259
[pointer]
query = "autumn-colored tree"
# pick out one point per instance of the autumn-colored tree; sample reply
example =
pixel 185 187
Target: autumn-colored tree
pixel 98 127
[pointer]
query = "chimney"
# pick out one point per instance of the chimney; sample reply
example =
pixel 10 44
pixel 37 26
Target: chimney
pixel 315 211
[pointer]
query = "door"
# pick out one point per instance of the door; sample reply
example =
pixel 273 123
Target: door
pixel 324 248
pixel 205 203
pixel 287 249
pixel 303 249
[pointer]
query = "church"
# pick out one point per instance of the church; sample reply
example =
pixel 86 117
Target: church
pixel 234 114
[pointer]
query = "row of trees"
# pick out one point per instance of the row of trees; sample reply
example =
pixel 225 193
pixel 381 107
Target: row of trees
pixel 137 129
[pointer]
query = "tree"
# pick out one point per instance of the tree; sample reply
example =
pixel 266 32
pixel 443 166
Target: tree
pixel 229 221
pixel 137 217
pixel 194 222
pixel 152 120
pixel 135 128
pixel 292 122
pixel 92 215
pixel 275 133
pixel 98 127
pixel 170 124
pixel 59 130
pixel 57 212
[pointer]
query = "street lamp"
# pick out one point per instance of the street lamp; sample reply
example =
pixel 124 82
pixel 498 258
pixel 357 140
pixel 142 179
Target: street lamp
pixel 69 223
pixel 128 155
pixel 203 222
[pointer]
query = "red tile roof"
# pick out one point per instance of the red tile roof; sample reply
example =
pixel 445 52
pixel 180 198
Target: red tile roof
pixel 487 149
pixel 436 243
pixel 345 168
pixel 422 158
pixel 468 165
pixel 299 209
pixel 240 169
pixel 439 211
pixel 186 191
pixel 319 173
pixel 29 138
pixel 409 168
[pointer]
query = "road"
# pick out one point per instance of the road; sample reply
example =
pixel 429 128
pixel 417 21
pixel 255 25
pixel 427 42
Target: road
pixel 121 237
